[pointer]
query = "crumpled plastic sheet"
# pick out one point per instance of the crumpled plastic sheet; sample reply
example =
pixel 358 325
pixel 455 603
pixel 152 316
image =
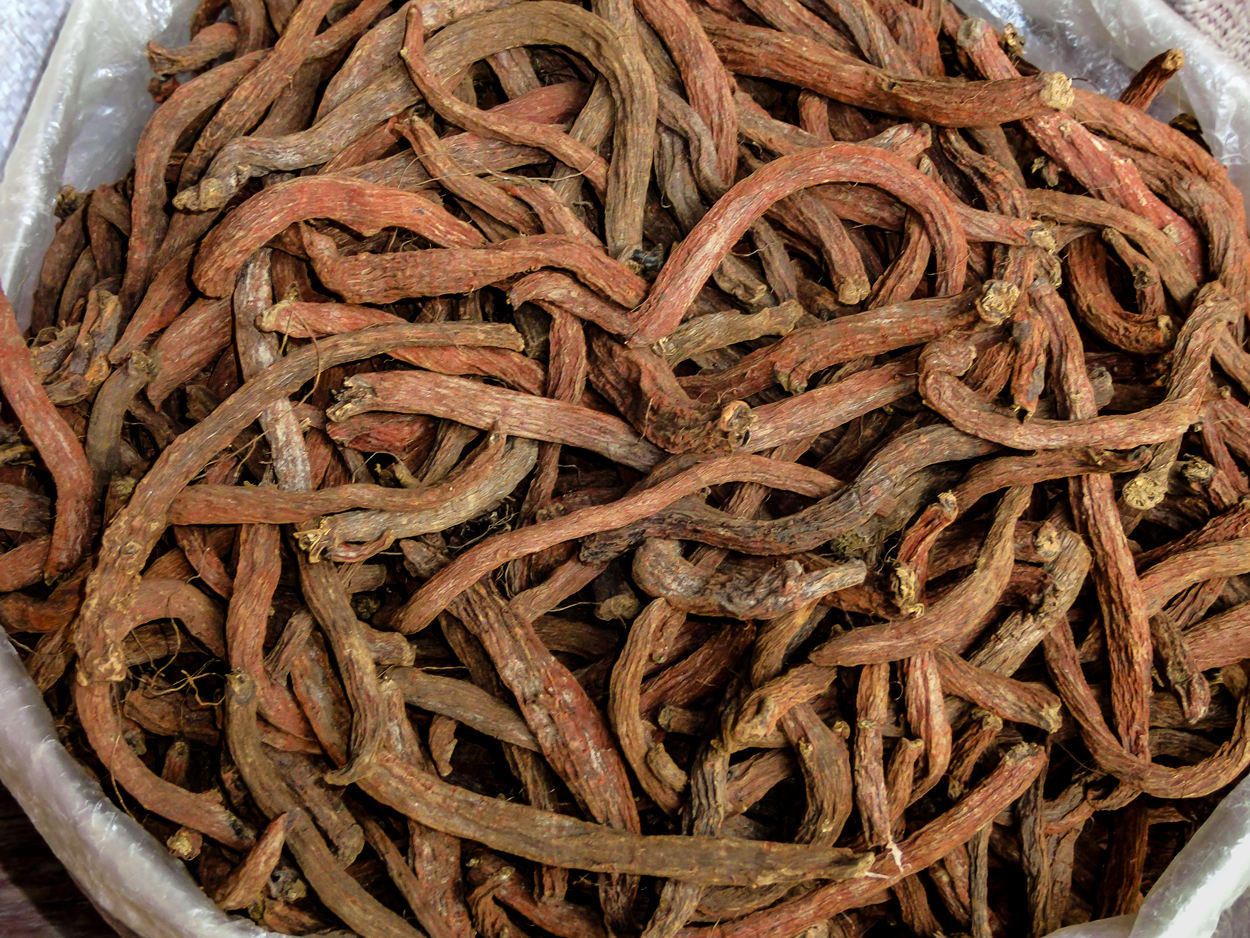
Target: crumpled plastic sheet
pixel 81 128
pixel 27 31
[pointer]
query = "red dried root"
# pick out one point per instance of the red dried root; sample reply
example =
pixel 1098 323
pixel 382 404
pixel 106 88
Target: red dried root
pixel 133 533
pixel 1079 152
pixel 1016 771
pixel 101 720
pixel 793 360
pixel 191 343
pixel 385 278
pixel 1133 126
pixel 379 47
pixel 797 60
pixel 362 206
pixel 750 589
pixel 564 841
pixel 1212 312
pixel 691 264
pixel 342 894
pixel 1150 79
pixel 1162 781
pixel 471 565
pixel 148 221
pixel 67 244
pixel 313 320
pixel 508 411
pixel 209 43
pixel 447 55
pixel 1094 507
pixel 56 443
pixel 707 84
pixel 164 299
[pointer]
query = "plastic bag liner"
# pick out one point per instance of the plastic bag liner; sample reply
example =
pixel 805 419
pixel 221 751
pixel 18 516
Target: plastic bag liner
pixel 82 128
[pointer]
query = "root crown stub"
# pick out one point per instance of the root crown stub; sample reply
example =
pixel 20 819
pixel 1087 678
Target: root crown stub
pixel 1047 541
pixel 736 421
pixel 854 290
pixel 1057 91
pixel 1043 236
pixel 971 31
pixel 205 196
pixel 1196 470
pixel 1144 492
pixel 997 301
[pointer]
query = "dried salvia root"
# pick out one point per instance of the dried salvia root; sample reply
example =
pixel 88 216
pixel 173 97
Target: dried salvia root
pixel 180 462
pixel 206 45
pixel 1151 78
pixel 508 411
pixel 477 486
pixel 55 441
pixel 1080 153
pixel 148 220
pixel 257 91
pixel 750 590
pixel 313 320
pixel 692 263
pixel 910 574
pixel 633 94
pixel 363 206
pixel 342 894
pixel 743 402
pixel 762 53
pixel 244 884
pixel 102 722
pixel 450 581
pixel 385 278
pixel 792 361
pixel 1211 314
pixel 1013 775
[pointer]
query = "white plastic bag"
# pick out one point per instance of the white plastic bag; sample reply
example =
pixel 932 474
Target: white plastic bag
pixel 27 32
pixel 81 130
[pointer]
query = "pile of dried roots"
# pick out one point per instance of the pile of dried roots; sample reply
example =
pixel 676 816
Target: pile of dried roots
pixel 718 470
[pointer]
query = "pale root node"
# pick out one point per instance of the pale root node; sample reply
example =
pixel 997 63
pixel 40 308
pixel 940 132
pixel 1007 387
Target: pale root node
pixel 1144 492
pixel 971 31
pixel 1043 236
pixel 211 193
pixel 1057 91
pixel 1174 60
pixel 853 290
pixel 997 301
